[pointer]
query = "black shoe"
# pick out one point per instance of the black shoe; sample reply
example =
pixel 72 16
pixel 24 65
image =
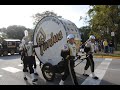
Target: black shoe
pixel 95 77
pixel 85 75
pixel 34 80
pixel 36 74
pixel 25 70
pixel 25 78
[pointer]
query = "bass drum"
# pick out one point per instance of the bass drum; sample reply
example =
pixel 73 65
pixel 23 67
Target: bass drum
pixel 50 35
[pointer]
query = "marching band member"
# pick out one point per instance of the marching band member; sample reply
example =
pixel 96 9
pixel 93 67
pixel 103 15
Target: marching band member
pixel 90 49
pixel 69 53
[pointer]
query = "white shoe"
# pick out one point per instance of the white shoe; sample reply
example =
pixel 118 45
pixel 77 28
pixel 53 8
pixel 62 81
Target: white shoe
pixel 95 77
pixel 33 77
pixel 35 72
pixel 34 80
pixel 25 78
pixel 61 82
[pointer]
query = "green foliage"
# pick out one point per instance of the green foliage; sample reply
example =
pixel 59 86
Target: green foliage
pixel 105 19
pixel 97 36
pixel 14 32
pixel 85 30
pixel 38 16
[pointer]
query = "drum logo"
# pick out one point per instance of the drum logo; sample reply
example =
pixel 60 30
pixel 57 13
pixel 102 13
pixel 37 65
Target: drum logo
pixel 45 44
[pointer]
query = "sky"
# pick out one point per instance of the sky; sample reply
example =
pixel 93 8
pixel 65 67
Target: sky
pixel 22 14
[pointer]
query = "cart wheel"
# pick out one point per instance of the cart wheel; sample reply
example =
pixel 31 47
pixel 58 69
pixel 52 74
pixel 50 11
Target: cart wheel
pixel 0 53
pixel 5 53
pixel 12 52
pixel 47 71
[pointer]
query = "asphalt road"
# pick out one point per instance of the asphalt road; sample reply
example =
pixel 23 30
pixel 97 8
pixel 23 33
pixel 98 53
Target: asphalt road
pixel 107 69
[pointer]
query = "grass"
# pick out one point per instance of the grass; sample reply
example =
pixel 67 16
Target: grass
pixel 118 47
pixel 115 54
pixel 103 54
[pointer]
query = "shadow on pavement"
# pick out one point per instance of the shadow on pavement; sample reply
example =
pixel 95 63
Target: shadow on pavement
pixel 39 82
pixel 27 82
pixel 68 81
pixel 81 79
pixel 104 82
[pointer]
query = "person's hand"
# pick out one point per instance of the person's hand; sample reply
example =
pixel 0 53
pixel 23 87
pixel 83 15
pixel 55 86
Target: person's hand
pixel 94 51
pixel 67 57
pixel 78 56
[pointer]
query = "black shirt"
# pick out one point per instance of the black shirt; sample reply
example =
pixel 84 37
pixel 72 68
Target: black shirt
pixel 111 44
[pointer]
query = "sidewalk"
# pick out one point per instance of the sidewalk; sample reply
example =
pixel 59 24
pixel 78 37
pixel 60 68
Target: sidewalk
pixel 115 55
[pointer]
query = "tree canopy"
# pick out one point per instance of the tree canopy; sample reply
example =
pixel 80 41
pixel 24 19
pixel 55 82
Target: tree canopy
pixel 13 32
pixel 104 18
pixel 39 16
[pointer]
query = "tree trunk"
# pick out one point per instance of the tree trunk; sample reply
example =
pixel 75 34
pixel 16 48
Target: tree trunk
pixel 115 42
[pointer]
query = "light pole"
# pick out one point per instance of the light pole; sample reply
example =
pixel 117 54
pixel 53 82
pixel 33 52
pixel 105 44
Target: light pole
pixel 112 35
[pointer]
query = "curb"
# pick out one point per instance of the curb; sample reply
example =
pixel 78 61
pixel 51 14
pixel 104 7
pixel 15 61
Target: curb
pixel 107 57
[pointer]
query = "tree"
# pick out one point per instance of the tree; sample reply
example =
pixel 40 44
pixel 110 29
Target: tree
pixel 3 34
pixel 103 20
pixel 16 31
pixel 38 16
pixel 85 30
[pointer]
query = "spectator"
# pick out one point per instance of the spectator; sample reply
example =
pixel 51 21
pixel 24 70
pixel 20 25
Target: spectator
pixel 99 46
pixel 105 44
pixel 111 46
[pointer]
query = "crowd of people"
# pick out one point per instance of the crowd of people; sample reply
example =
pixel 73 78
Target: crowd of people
pixel 102 46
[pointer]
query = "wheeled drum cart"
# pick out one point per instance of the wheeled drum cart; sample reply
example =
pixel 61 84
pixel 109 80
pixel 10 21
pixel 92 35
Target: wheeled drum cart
pixel 50 35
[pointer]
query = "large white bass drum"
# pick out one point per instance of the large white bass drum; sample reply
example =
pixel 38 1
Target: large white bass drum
pixel 50 34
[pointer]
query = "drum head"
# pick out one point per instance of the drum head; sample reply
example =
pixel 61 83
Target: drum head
pixel 50 35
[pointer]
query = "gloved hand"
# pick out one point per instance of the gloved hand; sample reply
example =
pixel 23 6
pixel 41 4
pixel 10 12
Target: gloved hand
pixel 67 57
pixel 78 56
pixel 94 51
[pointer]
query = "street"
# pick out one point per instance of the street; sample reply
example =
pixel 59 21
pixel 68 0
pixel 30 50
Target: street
pixel 107 69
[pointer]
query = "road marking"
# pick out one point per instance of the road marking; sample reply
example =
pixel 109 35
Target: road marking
pixel 20 65
pixel 0 75
pixel 11 69
pixel 37 62
pixel 114 69
pixel 100 72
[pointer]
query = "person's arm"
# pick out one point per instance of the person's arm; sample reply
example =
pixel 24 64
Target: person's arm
pixel 103 43
pixel 21 47
pixel 35 46
pixel 95 49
